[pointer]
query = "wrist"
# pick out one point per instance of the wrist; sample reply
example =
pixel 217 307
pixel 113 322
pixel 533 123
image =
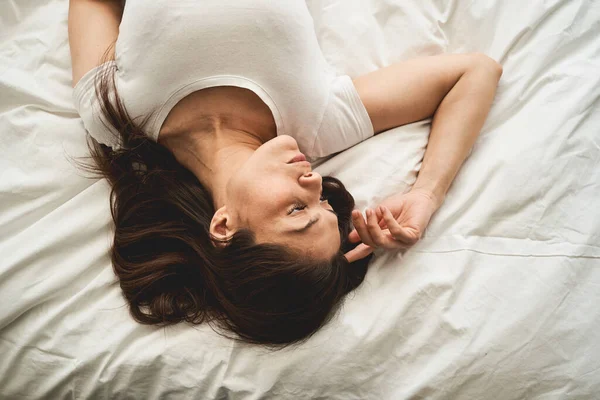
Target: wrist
pixel 435 194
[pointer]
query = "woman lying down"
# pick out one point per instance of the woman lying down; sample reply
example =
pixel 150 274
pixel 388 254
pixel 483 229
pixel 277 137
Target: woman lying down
pixel 203 116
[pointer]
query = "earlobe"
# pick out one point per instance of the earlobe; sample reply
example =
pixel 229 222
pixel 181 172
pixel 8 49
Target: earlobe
pixel 220 227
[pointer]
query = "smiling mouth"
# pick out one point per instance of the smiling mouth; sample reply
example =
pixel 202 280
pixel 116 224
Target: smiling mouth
pixel 298 158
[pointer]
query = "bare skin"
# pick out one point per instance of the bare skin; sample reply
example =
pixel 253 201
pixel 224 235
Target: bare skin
pixel 221 145
pixel 229 115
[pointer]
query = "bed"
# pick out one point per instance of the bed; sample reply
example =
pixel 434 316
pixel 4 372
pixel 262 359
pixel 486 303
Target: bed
pixel 499 300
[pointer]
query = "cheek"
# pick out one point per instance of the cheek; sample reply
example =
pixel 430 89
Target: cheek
pixel 256 202
pixel 249 189
pixel 267 198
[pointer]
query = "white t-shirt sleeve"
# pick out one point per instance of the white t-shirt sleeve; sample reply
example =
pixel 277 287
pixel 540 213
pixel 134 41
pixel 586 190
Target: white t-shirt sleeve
pixel 88 107
pixel 345 122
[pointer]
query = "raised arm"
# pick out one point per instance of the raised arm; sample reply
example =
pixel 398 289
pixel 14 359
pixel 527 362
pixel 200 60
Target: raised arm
pixel 457 90
pixel 93 28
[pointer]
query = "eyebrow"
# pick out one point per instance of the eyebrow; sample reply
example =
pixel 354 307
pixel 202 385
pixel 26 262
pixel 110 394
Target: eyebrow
pixel 308 225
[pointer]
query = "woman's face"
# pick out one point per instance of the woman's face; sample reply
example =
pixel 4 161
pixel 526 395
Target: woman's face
pixel 277 196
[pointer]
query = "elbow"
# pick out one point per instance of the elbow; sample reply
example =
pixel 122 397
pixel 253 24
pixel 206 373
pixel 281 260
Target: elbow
pixel 487 63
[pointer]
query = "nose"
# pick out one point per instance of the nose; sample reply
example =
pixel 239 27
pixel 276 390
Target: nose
pixel 311 180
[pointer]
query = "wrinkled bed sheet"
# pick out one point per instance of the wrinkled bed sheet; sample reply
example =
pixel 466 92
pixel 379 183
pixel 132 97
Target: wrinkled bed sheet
pixel 498 301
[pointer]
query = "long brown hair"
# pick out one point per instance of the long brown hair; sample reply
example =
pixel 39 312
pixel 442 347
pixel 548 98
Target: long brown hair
pixel 170 270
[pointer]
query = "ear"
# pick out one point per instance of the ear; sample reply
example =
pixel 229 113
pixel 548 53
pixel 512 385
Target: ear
pixel 221 226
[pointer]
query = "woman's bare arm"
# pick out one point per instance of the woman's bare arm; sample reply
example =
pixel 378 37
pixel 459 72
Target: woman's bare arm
pixel 93 28
pixel 457 89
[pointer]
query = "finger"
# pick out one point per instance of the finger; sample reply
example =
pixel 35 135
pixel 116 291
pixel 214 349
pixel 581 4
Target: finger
pixel 353 236
pixel 397 231
pixel 359 252
pixel 374 230
pixel 380 217
pixel 361 227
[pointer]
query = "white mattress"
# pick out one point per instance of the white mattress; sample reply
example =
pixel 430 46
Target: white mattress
pixel 498 301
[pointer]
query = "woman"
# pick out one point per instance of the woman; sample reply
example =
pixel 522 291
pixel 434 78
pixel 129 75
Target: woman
pixel 204 114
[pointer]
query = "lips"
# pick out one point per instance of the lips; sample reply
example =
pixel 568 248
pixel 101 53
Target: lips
pixel 298 158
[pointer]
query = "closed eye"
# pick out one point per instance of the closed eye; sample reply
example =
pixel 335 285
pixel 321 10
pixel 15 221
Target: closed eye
pixel 299 206
pixel 296 207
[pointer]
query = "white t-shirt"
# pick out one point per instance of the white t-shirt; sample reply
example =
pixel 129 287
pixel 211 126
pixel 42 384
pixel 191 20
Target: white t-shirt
pixel 167 49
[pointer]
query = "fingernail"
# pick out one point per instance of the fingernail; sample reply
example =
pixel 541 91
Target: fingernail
pixel 381 209
pixel 368 212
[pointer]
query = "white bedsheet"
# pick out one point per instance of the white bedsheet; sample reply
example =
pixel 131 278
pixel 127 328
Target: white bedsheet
pixel 498 301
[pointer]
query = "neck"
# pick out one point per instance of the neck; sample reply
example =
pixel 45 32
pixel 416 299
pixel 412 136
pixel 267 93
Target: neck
pixel 214 156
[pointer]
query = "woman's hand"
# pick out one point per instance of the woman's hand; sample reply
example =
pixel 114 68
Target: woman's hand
pixel 398 222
